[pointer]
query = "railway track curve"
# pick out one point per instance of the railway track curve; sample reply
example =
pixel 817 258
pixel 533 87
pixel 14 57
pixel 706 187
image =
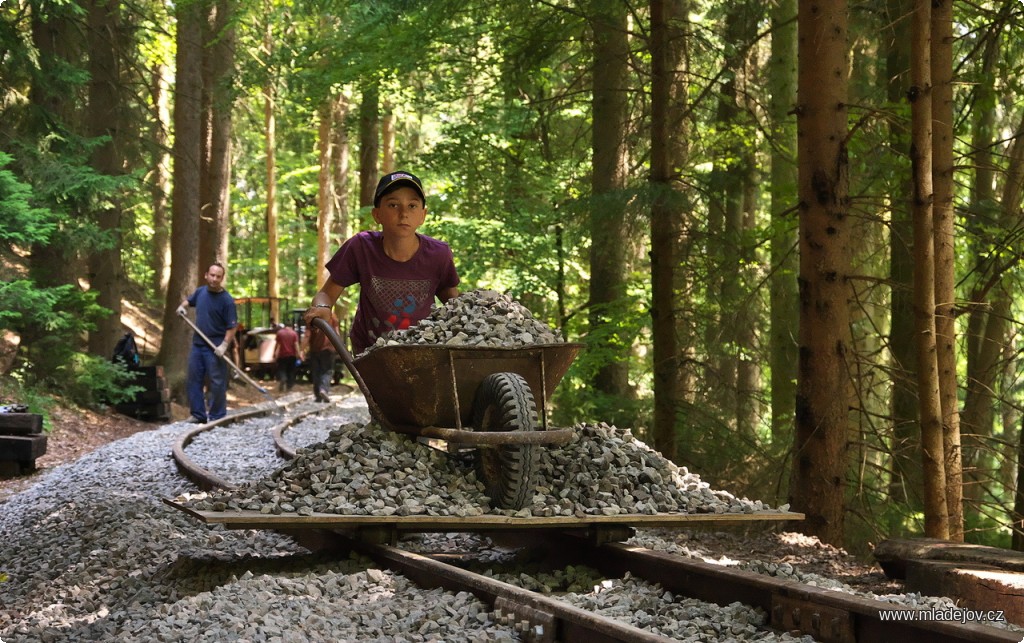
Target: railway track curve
pixel 789 606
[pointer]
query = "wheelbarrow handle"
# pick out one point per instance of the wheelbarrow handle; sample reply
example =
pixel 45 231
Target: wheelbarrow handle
pixel 339 345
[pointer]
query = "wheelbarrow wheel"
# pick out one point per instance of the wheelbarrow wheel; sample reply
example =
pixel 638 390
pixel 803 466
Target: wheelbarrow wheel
pixel 504 402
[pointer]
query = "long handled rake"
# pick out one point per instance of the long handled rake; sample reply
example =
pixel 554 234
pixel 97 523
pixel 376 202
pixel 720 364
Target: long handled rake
pixel 240 372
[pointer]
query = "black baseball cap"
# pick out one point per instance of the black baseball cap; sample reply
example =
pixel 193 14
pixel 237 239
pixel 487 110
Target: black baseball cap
pixel 391 182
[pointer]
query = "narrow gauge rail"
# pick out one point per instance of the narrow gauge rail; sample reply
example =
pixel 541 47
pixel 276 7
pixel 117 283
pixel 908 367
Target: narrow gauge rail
pixel 828 616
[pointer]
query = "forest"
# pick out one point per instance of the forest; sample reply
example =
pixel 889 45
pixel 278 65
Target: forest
pixel 788 233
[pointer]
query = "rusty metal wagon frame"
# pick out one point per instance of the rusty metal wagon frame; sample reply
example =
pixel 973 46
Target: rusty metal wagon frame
pixel 424 390
pixel 468 396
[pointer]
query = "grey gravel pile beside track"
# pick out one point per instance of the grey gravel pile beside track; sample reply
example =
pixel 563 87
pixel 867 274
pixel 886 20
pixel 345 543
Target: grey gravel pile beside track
pixel 646 605
pixel 89 553
pixel 363 470
pixel 788 571
pixel 474 318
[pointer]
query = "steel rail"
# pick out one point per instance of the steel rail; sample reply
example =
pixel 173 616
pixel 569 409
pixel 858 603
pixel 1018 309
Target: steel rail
pixel 538 618
pixel 203 477
pixel 791 606
pixel 284 449
pixel 828 616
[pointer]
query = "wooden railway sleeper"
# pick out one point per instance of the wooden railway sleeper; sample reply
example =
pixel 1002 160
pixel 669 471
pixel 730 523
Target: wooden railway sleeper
pixel 569 623
pixel 534 624
pixel 825 623
pixel 828 615
pixel 604 534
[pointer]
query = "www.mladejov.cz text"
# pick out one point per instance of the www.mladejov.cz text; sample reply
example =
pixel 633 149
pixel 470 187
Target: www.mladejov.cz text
pixel 950 614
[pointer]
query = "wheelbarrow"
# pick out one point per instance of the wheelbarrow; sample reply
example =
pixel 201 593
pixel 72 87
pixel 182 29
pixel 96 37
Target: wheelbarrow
pixel 476 398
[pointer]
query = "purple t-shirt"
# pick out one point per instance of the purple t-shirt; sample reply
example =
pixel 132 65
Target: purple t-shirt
pixel 392 294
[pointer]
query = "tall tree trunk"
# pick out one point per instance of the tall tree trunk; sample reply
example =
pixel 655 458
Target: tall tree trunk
pixel 160 184
pixel 106 275
pixel 730 179
pixel 1012 193
pixel 325 192
pixel 1018 496
pixel 387 141
pixel 782 78
pixel 219 57
pixel 982 325
pixel 748 366
pixel 340 179
pixel 936 517
pixel 177 335
pixel 270 143
pixel 608 248
pixel 54 99
pixel 207 218
pixel 981 396
pixel 369 145
pixel 820 445
pixel 340 171
pixel 906 483
pixel 945 258
pixel 674 379
pixel 985 366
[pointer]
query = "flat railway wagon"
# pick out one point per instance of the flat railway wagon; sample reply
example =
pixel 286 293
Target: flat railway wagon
pixel 599 542
pixel 480 402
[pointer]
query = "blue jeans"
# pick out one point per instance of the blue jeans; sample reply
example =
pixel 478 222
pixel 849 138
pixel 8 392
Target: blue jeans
pixel 203 364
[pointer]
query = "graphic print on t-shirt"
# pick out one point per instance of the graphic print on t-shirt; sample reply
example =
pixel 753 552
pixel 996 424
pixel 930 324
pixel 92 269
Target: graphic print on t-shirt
pixel 397 300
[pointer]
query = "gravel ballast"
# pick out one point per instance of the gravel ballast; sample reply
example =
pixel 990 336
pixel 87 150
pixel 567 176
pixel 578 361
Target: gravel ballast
pixel 91 553
pixel 363 470
pixel 483 318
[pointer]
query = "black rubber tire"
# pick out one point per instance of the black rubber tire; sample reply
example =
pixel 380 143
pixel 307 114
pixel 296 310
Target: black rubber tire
pixel 504 402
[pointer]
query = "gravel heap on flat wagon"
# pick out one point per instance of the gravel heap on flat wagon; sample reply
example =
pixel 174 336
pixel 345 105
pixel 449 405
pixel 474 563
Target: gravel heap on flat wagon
pixel 89 553
pixel 361 470
pixel 475 318
pixel 364 470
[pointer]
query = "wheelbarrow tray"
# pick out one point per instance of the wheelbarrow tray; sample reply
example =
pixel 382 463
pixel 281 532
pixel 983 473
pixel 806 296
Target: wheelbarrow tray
pixel 435 385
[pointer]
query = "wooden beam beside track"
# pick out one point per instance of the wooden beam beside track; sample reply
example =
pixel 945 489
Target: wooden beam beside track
pixel 257 520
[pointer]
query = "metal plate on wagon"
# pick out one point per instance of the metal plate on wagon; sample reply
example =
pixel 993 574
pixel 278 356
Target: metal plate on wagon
pixel 434 385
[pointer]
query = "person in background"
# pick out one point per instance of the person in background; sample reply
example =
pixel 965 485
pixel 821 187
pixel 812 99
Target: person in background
pixel 239 353
pixel 321 358
pixel 217 319
pixel 399 271
pixel 287 353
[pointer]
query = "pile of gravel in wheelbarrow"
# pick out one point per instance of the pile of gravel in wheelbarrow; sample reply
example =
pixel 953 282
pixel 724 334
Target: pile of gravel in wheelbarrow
pixel 475 318
pixel 364 470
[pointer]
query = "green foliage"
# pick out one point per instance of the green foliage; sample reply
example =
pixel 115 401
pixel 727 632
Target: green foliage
pixel 50 322
pixel 987 530
pixel 92 381
pixel 21 224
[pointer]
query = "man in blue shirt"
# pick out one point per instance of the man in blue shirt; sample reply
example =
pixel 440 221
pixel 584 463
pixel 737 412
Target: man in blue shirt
pixel 217 319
